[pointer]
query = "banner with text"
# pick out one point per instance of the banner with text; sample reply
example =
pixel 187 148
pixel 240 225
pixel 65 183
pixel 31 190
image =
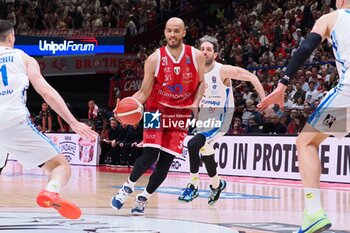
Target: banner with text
pixel 272 157
pixel 73 32
pixel 77 150
pixel 80 65
pixel 69 45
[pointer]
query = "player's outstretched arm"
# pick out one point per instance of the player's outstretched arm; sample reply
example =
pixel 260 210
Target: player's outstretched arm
pixel 237 73
pixel 319 32
pixel 51 96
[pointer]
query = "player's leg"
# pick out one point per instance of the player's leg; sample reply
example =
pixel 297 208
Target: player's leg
pixel 194 145
pixel 315 219
pixel 59 172
pixel 34 149
pixel 156 179
pixel 149 157
pixel 208 157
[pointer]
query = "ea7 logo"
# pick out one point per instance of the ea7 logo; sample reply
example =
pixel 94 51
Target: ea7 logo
pixel 329 120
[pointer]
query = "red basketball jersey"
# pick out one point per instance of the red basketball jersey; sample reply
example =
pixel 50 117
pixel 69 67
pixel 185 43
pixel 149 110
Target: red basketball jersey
pixel 175 81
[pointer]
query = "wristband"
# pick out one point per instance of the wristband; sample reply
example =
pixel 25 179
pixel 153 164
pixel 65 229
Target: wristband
pixel 285 80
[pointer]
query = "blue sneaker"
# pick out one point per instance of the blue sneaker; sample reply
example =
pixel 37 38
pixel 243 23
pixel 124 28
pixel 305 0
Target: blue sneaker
pixel 315 223
pixel 215 193
pixel 120 198
pixel 140 205
pixel 188 194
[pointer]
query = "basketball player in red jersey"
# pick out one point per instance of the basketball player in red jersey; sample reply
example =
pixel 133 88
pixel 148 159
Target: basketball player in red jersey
pixel 173 85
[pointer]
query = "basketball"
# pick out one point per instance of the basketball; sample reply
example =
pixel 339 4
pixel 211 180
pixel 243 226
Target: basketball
pixel 129 111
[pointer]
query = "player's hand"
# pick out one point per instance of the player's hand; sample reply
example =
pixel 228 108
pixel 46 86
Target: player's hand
pixel 84 130
pixel 276 97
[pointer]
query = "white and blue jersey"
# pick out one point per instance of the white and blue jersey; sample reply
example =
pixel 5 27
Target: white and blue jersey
pixel 18 136
pixel 332 114
pixel 13 85
pixel 216 107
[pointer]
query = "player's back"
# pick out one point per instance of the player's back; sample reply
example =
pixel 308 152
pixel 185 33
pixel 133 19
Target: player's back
pixel 13 84
pixel 340 35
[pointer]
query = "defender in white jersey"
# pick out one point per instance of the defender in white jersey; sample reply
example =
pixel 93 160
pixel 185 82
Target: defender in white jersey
pixel 331 117
pixel 18 136
pixel 216 105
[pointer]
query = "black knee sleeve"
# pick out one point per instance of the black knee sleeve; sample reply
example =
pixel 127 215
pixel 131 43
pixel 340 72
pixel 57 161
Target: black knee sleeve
pixel 210 164
pixel 148 158
pixel 193 146
pixel 160 172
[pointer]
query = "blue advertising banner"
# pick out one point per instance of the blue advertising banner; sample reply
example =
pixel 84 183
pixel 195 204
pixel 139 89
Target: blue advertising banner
pixel 65 46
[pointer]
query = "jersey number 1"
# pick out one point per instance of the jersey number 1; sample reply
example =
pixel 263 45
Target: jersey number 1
pixel 3 72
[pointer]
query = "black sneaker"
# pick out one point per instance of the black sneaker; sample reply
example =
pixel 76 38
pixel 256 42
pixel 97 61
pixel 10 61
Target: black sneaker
pixel 215 193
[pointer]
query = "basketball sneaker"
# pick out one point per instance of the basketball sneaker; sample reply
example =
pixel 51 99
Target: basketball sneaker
pixel 139 205
pixel 215 193
pixel 65 208
pixel 315 223
pixel 189 193
pixel 120 198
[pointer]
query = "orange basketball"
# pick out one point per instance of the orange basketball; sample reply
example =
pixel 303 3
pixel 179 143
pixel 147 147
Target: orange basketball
pixel 129 111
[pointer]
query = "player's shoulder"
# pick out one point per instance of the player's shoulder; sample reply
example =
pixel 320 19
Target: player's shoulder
pixel 330 16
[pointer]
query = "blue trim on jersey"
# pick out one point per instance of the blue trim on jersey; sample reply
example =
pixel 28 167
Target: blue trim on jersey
pixel 322 107
pixel 338 59
pixel 347 11
pixel 43 136
pixel 216 130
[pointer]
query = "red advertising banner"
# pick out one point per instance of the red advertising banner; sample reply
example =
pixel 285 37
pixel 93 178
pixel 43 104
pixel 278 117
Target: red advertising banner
pixel 73 32
pixel 84 64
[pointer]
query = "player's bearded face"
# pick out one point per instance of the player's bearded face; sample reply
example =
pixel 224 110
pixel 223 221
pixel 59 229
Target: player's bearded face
pixel 207 50
pixel 174 37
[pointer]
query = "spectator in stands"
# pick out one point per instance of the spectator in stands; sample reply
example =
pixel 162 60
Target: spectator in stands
pixel 312 94
pixel 274 126
pixel 109 149
pixel 236 126
pixel 130 150
pixel 46 116
pixel 97 116
pixel 253 127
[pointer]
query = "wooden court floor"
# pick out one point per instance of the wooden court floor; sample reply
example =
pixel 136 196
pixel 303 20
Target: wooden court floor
pixel 247 204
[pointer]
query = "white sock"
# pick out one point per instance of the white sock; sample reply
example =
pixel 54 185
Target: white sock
pixel 194 179
pixel 131 184
pixel 53 186
pixel 215 181
pixel 145 194
pixel 312 200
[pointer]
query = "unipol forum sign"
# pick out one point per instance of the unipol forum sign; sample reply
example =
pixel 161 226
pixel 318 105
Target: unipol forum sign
pixel 272 157
pixel 73 45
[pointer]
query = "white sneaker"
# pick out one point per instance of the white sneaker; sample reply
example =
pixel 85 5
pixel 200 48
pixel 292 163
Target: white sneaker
pixel 140 205
pixel 120 198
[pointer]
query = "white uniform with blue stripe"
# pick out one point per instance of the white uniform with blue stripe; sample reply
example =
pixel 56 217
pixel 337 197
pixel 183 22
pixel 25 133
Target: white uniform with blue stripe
pixel 332 116
pixel 216 107
pixel 18 136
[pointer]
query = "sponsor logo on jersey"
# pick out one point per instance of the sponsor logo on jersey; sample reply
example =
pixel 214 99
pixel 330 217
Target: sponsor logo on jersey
pixel 329 120
pixel 176 88
pixel 188 59
pixel 177 70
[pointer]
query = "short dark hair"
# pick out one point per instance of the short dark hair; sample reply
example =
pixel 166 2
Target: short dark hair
pixel 6 28
pixel 212 40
